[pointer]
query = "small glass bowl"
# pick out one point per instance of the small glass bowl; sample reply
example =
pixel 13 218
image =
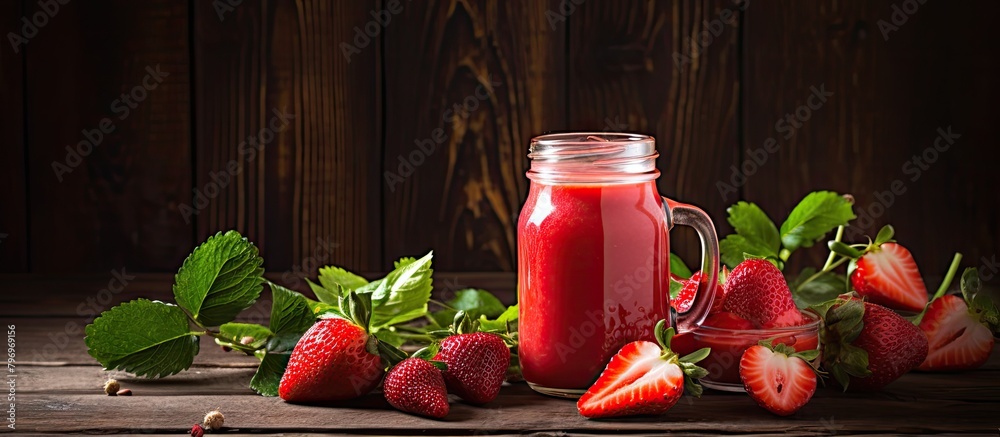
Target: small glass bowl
pixel 728 345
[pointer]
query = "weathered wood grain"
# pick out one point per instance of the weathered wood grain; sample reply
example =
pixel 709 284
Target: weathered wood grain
pixel 89 380
pixel 517 409
pixel 467 85
pixel 889 99
pixel 13 185
pixel 309 192
pixel 641 66
pixel 118 206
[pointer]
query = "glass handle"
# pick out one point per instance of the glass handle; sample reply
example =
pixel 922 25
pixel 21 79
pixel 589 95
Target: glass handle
pixel 687 215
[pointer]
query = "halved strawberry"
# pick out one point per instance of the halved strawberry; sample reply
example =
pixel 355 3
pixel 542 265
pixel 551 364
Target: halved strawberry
pixel 956 338
pixel 777 377
pixel 887 275
pixel 643 378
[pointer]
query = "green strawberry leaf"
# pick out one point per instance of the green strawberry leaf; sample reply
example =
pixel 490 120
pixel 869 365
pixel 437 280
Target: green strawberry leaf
pixel 221 278
pixel 678 268
pixel 389 336
pixel 502 322
pixel 403 294
pixel 755 235
pixel 823 288
pixel 816 215
pixel 269 373
pixel 147 338
pixel 675 288
pixel 290 311
pixel 474 302
pixel 234 333
pixel 330 277
pixel 884 235
pixel 324 295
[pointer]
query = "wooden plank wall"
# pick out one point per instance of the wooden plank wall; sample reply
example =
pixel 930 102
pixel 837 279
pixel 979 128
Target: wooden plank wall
pixel 13 183
pixel 415 138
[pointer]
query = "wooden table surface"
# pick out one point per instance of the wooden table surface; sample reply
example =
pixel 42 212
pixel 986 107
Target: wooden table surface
pixel 59 391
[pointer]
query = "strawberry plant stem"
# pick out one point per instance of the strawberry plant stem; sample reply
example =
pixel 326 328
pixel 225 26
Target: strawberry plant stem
pixel 950 276
pixel 826 269
pixel 945 285
pixel 829 259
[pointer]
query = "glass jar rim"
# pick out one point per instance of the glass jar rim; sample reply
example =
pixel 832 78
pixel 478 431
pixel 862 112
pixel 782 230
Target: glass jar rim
pixel 592 157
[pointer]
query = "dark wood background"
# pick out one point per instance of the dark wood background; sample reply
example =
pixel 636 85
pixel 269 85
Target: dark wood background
pixel 317 193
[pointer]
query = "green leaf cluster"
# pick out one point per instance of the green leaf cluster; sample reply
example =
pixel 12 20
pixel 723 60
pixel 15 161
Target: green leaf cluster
pixel 756 235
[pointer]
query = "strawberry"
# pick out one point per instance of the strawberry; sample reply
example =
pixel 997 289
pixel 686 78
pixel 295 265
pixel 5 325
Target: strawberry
pixel 727 320
pixel 720 291
pixel 336 358
pixel 777 377
pixel 685 295
pixel 417 386
pixel 756 291
pixel 866 346
pixel 477 365
pixel 683 291
pixel 643 378
pixel 791 317
pixel 887 275
pixel 956 339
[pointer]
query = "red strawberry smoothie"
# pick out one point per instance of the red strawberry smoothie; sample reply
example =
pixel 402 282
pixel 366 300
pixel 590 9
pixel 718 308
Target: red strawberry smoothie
pixel 596 281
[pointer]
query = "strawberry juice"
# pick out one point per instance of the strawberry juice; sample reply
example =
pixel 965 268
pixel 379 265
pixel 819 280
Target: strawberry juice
pixel 593 256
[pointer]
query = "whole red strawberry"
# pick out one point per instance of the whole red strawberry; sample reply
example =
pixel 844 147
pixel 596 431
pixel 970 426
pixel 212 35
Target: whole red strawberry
pixel 866 346
pixel 643 378
pixel 477 365
pixel 417 386
pixel 335 359
pixel 757 291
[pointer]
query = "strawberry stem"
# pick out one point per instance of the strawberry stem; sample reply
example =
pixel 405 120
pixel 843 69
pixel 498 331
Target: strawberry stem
pixel 950 276
pixel 829 259
pixel 945 285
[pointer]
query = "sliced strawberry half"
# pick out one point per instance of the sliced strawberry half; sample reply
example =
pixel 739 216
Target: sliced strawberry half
pixel 777 377
pixel 955 337
pixel 888 275
pixel 644 378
